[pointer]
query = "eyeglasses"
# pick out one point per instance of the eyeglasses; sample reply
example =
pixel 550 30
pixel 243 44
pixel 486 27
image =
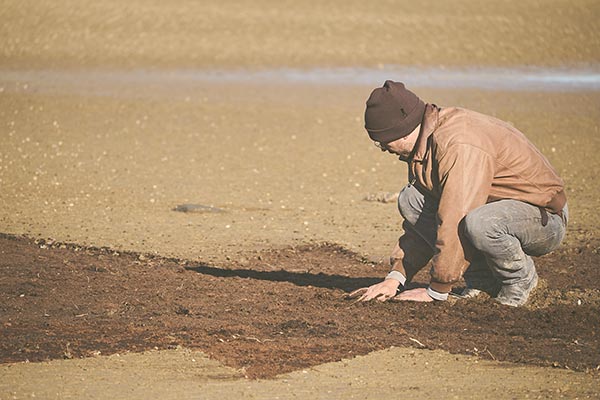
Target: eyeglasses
pixel 381 146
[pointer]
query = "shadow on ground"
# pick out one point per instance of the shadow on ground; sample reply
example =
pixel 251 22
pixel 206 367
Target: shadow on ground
pixel 277 312
pixel 318 280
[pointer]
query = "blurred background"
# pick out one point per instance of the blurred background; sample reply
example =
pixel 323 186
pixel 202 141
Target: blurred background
pixel 114 113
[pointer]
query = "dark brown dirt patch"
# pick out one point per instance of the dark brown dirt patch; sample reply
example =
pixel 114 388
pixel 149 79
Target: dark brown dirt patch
pixel 278 311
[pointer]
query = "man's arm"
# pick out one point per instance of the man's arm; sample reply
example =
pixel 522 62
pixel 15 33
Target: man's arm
pixel 465 177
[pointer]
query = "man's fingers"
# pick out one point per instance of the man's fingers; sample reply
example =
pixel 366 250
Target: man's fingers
pixel 419 294
pixel 357 292
pixel 399 297
pixel 369 293
pixel 377 296
pixel 367 296
pixel 382 297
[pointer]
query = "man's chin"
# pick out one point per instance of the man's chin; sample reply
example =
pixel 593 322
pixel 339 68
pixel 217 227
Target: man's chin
pixel 401 156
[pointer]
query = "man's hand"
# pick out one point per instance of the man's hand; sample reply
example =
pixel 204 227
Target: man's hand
pixel 418 294
pixel 381 291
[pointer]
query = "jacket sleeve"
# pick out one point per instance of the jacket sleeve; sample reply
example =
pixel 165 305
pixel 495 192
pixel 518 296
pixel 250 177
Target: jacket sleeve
pixel 465 175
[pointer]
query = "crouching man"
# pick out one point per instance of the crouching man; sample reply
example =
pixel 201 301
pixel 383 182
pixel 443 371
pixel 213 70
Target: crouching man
pixel 482 199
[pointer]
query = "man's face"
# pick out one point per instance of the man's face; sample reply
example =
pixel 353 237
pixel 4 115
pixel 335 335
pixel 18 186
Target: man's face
pixel 402 147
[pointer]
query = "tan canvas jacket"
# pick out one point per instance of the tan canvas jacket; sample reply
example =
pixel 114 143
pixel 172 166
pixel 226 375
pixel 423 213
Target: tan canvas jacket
pixel 466 159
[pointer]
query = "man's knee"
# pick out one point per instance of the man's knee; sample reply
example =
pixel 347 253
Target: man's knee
pixel 410 204
pixel 479 228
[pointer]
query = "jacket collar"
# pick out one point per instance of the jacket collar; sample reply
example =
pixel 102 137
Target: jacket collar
pixel 428 126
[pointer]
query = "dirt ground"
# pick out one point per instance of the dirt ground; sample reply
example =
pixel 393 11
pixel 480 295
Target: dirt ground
pixel 94 261
pixel 281 311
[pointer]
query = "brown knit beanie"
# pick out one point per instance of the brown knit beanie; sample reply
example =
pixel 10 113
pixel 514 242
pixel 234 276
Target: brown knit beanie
pixel 392 112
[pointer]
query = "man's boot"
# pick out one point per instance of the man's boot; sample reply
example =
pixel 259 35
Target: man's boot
pixel 516 294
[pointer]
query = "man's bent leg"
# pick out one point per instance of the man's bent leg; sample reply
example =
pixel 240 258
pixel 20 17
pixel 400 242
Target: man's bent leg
pixel 416 245
pixel 479 278
pixel 419 211
pixel 507 232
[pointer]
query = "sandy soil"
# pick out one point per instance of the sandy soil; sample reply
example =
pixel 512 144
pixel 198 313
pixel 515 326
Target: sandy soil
pixel 287 164
pixel 185 374
pixel 105 164
pixel 291 33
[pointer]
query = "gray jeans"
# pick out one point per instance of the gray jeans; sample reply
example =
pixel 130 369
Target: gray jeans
pixel 503 234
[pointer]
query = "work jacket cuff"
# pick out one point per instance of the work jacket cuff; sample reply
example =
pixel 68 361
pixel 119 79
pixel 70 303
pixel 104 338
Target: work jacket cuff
pixel 436 295
pixel 440 287
pixel 397 276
